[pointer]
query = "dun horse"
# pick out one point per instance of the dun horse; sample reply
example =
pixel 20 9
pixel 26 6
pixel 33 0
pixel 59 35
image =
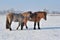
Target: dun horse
pixel 26 16
pixel 21 18
pixel 37 16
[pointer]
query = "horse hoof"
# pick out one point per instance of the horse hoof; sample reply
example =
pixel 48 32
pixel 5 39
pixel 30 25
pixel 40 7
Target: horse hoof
pixel 27 28
pixel 34 28
pixel 17 29
pixel 21 29
pixel 38 28
pixel 10 29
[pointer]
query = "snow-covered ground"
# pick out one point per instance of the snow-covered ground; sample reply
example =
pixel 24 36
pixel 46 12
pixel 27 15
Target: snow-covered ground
pixel 50 30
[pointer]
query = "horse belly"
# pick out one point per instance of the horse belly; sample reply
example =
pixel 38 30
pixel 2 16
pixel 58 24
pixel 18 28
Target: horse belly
pixel 15 19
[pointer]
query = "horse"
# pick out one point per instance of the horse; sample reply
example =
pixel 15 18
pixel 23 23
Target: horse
pixel 37 16
pixel 26 16
pixel 21 18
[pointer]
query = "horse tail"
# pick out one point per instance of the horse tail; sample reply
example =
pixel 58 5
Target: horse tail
pixel 7 23
pixel 8 20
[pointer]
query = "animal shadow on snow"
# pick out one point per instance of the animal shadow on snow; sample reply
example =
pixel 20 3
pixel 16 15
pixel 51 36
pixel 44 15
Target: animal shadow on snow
pixel 45 28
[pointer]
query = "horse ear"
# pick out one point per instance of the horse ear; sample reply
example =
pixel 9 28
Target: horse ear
pixel 30 12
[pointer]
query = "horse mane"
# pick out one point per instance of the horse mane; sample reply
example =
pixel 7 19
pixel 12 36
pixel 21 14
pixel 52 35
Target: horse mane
pixel 30 12
pixel 45 13
pixel 40 12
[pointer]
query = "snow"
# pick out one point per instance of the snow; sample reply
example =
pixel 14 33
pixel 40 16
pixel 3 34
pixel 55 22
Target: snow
pixel 50 30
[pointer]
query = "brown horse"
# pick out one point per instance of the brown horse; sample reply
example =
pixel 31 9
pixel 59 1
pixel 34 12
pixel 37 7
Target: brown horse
pixel 21 18
pixel 37 16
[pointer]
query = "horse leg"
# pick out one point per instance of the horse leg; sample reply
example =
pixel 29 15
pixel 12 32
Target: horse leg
pixel 10 22
pixel 18 26
pixel 22 24
pixel 10 25
pixel 34 25
pixel 26 27
pixel 7 23
pixel 38 25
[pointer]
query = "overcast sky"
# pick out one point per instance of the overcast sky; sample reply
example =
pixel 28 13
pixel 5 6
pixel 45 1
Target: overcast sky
pixel 33 5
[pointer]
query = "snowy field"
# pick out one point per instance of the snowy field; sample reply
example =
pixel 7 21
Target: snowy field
pixel 50 30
